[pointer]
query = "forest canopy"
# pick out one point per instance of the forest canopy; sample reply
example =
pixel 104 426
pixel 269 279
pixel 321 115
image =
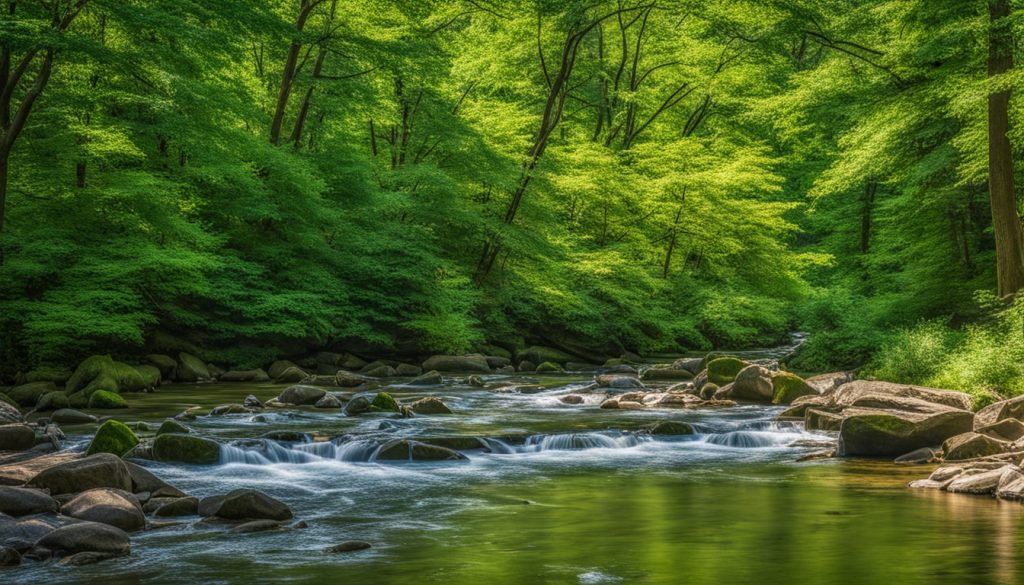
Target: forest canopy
pixel 253 178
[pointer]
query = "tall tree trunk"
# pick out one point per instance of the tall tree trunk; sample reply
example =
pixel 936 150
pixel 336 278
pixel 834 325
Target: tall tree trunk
pixel 291 63
pixel 1005 219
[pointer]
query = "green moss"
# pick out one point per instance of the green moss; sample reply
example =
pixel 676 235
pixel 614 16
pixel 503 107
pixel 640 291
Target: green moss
pixel 549 367
pixel 112 437
pixel 53 401
pixel 29 394
pixel 787 387
pixel 385 402
pixel 78 400
pixel 105 399
pixel 150 375
pixel 723 370
pixel 172 426
pixel 175 448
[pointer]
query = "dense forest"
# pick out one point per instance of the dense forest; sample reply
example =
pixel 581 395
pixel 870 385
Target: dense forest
pixel 252 179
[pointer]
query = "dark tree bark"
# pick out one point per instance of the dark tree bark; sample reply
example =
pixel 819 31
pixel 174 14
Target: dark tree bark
pixel 291 64
pixel 1005 219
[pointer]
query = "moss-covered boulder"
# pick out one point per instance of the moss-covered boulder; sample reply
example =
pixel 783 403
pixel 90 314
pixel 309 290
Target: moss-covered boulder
pixel 8 400
pixel 29 394
pixel 723 370
pixel 457 363
pixel 384 402
pixel 191 369
pixel 257 375
pixel 539 354
pixel 672 373
pixel 172 426
pixel 112 437
pixel 53 401
pixel 151 375
pixel 549 368
pixel 165 363
pixel 47 374
pixel 890 433
pixel 179 448
pixel 101 372
pixel 103 399
pixel 787 387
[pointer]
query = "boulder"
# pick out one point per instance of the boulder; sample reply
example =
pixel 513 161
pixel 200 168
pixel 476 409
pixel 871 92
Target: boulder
pixel 172 426
pixel 787 387
pixel 55 374
pixel 981 483
pixel 1011 485
pixel 165 363
pixel 678 400
pixel 16 437
pixel 291 375
pixel 852 392
pixel 618 381
pixel 301 394
pixel 1008 429
pixel 151 375
pixel 357 405
pixel 246 504
pixel 971 445
pixel 143 481
pixel 457 363
pixel 348 546
pixel 256 526
pixel 191 369
pixel 328 401
pixel 549 368
pixel 9 557
pixel 800 405
pixel 671 427
pixel 257 375
pixel 752 383
pixel 497 362
pixel 526 366
pixel 86 537
pixel 107 506
pixel 692 365
pixel 348 379
pixel 52 401
pixel 407 450
pixel 999 411
pixel 822 420
pixel 279 367
pixel 572 399
pixel 102 400
pixel 22 534
pixel 539 354
pixel 177 448
pixel 876 432
pixel 384 402
pixel 223 409
pixel 825 383
pixel 431 378
pixel 408 370
pixel 29 394
pixel 16 501
pixel 9 413
pixel 380 372
pixel 657 373
pixel 101 372
pixel 430 405
pixel 187 506
pixel 724 369
pixel 102 470
pixel 112 437
pixel 68 416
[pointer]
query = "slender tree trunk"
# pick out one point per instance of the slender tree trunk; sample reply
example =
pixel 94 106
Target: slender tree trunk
pixel 1005 219
pixel 290 65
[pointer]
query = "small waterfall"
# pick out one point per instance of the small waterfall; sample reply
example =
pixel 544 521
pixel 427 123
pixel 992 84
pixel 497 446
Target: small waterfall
pixel 265 452
pixel 751 439
pixel 498 447
pixel 577 441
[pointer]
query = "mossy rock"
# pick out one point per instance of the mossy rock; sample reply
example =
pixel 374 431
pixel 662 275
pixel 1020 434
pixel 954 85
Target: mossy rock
pixel 787 387
pixel 172 426
pixel 549 368
pixel 78 400
pixel 384 402
pixel 723 370
pixel 101 372
pixel 151 375
pixel 104 399
pixel 53 401
pixel 29 394
pixel 48 374
pixel 112 437
pixel 8 400
pixel 179 448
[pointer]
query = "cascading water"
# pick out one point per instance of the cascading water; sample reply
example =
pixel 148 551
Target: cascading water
pixel 268 452
pixel 577 441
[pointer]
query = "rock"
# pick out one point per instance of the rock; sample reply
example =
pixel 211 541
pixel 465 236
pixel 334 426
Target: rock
pixel 328 401
pixel 177 448
pixel 16 437
pixel 384 402
pixel 572 399
pixel 800 405
pixel 86 558
pixel 112 437
pixel 87 537
pixel 751 383
pixel 457 443
pixel 143 481
pixel 916 457
pixel 301 394
pixel 692 365
pixel 172 426
pixel 191 369
pixel 431 378
pixel 630 405
pixel 102 399
pixel 187 506
pixel 787 387
pixel 497 362
pixel 677 400
pixel 107 506
pixel 408 370
pixel 457 363
pixel 825 383
pixel 671 427
pixel 55 374
pixel 245 504
pixel 348 379
pixel 256 526
pixel 475 381
pixel 102 470
pixel 16 501
pixel 165 363
pixel 724 369
pixel 9 557
pixel 357 405
pixel 610 404
pixel 971 445
pixel 407 450
pixel 999 411
pixel 708 391
pixel 101 372
pixel 985 482
pixel 257 375
pixel 1008 429
pixel 430 405
pixel 618 381
pixel 549 368
pixel 9 413
pixel 1011 485
pixel 291 375
pixel 52 401
pixel 279 367
pixel 380 372
pixel 23 533
pixel 348 546
pixel 224 409
pixel 852 392
pixel 526 366
pixel 29 394
pixel 578 367
pixel 891 433
pixel 658 373
pixel 151 375
pixel 67 416
pixel 252 402
pixel 539 354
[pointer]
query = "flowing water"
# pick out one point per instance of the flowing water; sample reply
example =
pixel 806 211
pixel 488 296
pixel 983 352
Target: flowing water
pixel 553 493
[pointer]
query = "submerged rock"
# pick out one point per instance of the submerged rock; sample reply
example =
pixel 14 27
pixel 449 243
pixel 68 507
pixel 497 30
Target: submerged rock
pixel 431 378
pixel 671 427
pixel 256 526
pixel 245 504
pixel 348 546
pixel 87 537
pixel 407 450
pixel 430 405
pixel 328 401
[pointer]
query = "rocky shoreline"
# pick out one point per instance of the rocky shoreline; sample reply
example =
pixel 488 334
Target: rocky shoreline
pixel 81 507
